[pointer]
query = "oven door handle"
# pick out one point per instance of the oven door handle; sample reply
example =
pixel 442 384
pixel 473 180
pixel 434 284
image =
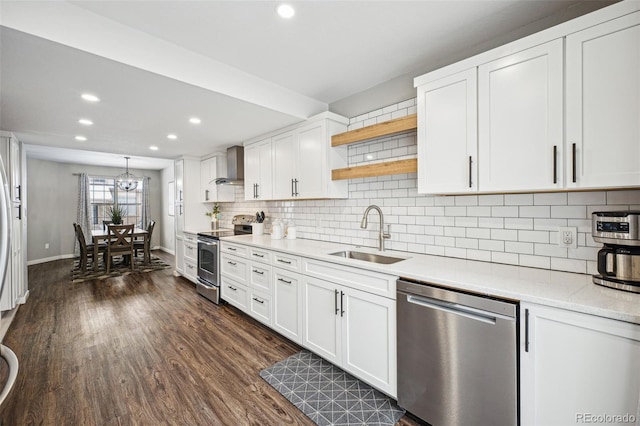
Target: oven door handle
pixel 207 243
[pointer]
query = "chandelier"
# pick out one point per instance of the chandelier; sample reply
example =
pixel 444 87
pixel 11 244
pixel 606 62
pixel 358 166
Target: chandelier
pixel 126 181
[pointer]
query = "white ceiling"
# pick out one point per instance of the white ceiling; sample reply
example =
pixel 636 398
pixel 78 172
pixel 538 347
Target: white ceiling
pixel 234 64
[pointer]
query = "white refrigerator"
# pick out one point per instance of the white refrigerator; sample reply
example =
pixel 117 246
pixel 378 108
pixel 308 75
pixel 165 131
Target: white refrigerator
pixel 5 247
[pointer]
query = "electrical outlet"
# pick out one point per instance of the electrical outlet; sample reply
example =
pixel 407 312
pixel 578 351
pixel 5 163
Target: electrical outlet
pixel 46 246
pixel 568 237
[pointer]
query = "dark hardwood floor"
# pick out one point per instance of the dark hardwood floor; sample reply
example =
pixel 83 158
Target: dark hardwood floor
pixel 143 349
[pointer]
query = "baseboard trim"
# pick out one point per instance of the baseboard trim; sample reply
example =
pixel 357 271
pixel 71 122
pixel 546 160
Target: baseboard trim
pixel 50 259
pixel 23 299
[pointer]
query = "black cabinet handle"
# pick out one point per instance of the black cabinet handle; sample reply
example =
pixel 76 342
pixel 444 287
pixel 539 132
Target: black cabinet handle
pixel 342 303
pixel 231 248
pixel 258 272
pixel 335 301
pixel 232 288
pixel 284 281
pixel 573 157
pixel 258 300
pixel 258 255
pixel 296 186
pixel 206 195
pixel 555 164
pixel 470 171
pixel 526 330
pixel 19 211
pixel 231 263
pixel 19 188
pixel 293 193
pixel 284 261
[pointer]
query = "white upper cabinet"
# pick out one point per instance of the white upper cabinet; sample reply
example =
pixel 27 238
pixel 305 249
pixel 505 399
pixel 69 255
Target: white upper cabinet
pixel 285 157
pixel 258 172
pixel 603 105
pixel 210 170
pixel 520 120
pixel 447 134
pixel 301 162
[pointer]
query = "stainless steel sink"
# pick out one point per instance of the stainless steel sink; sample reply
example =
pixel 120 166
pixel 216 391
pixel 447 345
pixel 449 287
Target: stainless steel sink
pixel 367 257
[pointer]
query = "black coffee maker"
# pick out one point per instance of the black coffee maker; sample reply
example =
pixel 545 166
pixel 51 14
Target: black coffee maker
pixel 619 259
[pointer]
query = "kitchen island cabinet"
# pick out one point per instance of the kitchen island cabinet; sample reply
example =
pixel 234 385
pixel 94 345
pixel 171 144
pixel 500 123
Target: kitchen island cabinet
pixel 574 365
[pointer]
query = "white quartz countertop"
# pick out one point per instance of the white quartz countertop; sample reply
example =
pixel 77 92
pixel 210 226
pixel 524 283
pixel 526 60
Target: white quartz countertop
pixel 565 290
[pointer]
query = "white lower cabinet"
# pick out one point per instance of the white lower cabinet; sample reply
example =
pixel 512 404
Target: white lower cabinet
pixel 577 368
pixel 287 314
pixel 260 306
pixel 234 292
pixel 353 329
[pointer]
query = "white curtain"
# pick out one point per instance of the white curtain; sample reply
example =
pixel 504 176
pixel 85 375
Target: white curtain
pixel 83 213
pixel 146 203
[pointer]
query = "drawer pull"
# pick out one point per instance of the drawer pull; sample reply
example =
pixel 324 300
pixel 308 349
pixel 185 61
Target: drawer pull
pixel 231 248
pixel 284 261
pixel 258 255
pixel 232 288
pixel 258 272
pixel 231 263
pixel 284 281
pixel 258 300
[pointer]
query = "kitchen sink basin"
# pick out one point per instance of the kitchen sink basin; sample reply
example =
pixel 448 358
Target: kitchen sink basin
pixel 367 257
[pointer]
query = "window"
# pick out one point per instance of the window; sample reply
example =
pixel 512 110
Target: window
pixel 104 194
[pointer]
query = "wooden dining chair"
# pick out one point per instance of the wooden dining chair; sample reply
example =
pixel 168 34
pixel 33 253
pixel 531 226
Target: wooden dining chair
pixel 145 244
pixel 86 249
pixel 120 243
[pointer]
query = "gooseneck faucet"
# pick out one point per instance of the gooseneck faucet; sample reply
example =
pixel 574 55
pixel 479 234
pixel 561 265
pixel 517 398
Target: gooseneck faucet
pixel 383 234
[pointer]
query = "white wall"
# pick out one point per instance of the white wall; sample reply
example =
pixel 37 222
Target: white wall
pixel 53 197
pixel 517 229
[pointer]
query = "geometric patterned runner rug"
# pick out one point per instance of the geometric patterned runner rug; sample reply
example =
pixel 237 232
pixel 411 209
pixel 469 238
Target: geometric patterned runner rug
pixel 328 395
pixel 117 269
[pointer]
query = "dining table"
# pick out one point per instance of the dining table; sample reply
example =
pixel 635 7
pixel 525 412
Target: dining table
pixel 103 234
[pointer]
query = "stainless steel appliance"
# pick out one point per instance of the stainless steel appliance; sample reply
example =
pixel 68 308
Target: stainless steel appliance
pixel 457 356
pixel 208 284
pixel 619 259
pixel 5 231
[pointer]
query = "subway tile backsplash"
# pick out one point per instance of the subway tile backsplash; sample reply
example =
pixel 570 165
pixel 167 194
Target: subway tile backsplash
pixel 516 229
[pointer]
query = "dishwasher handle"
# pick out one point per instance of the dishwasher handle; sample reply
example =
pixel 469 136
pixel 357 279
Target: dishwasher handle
pixel 458 309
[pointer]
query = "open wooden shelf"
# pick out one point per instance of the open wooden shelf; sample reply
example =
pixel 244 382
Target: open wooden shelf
pixel 387 128
pixel 378 169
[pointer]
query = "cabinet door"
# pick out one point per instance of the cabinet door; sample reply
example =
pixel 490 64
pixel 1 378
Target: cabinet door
pixel 520 120
pixel 258 179
pixel 603 105
pixel 576 365
pixel 448 135
pixel 322 319
pixel 205 179
pixel 287 317
pixel 369 338
pixel 313 174
pixel 179 254
pixel 284 165
pixel 179 179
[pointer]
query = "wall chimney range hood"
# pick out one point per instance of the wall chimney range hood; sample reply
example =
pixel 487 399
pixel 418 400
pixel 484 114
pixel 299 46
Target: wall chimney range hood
pixel 235 167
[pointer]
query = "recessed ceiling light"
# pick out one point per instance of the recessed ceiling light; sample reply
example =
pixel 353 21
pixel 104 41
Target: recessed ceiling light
pixel 89 97
pixel 153 148
pixel 81 138
pixel 85 121
pixel 286 11
pixel 194 120
pixel 172 136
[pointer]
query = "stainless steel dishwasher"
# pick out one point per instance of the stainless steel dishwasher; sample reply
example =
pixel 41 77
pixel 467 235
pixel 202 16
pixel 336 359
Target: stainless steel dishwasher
pixel 457 356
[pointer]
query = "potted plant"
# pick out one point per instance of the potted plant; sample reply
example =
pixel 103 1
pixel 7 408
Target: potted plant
pixel 116 213
pixel 215 215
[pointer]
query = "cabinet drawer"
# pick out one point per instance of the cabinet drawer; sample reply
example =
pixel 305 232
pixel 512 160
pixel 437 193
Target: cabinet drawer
pixel 260 306
pixel 287 261
pixel 190 251
pixel 260 255
pixel 192 238
pixel 260 276
pixel 233 266
pixel 235 293
pixel 361 279
pixel 236 249
pixel 190 270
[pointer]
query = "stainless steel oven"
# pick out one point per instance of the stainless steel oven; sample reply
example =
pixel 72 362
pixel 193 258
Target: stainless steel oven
pixel 208 284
